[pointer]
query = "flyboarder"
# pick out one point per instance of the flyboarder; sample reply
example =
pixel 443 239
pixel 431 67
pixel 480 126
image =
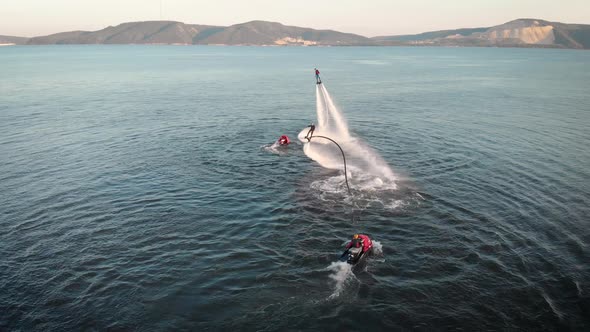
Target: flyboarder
pixel 310 132
pixel 317 76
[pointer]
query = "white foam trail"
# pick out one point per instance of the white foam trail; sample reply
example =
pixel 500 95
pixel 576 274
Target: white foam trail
pixel 364 164
pixel 342 272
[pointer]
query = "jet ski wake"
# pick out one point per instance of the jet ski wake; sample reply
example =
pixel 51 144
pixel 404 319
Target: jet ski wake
pixel 352 259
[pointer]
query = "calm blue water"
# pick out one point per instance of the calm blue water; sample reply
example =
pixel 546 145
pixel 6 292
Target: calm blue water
pixel 136 193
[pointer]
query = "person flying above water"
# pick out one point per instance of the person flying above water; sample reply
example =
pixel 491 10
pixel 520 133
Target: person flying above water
pixel 317 76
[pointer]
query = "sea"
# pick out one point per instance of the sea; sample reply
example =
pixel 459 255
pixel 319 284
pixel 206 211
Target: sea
pixel 141 189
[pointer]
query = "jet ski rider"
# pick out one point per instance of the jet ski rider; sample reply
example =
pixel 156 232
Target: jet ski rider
pixel 359 240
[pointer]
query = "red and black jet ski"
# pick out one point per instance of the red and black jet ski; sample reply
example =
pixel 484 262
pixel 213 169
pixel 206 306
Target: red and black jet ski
pixel 356 255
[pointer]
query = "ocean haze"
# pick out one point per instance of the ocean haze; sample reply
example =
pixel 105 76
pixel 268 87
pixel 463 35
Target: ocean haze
pixel 138 193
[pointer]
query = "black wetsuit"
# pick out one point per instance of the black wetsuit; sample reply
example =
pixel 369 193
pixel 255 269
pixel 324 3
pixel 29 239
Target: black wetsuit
pixel 310 132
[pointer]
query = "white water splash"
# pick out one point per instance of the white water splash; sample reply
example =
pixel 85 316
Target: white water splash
pixel 342 273
pixel 377 248
pixel 275 148
pixel 367 171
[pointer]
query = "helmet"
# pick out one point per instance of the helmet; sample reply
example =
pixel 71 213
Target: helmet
pixel 355 236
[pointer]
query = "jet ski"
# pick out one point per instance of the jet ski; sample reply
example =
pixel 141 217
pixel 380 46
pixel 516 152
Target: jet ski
pixel 354 255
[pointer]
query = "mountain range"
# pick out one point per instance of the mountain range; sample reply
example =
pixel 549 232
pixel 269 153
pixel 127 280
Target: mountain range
pixel 517 33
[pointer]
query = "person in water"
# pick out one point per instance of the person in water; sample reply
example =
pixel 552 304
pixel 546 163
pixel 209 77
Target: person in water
pixel 284 140
pixel 358 241
pixel 310 132
pixel 317 76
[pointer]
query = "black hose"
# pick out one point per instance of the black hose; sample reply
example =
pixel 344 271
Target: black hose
pixel 343 157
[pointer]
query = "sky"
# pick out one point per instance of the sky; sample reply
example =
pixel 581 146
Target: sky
pixel 28 18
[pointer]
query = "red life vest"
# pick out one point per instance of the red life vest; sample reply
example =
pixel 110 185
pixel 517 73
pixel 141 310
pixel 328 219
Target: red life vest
pixel 367 244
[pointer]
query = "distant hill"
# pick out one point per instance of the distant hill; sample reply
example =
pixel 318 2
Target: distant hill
pixel 428 35
pixel 517 33
pixel 271 33
pixel 13 40
pixel 169 32
pixel 152 32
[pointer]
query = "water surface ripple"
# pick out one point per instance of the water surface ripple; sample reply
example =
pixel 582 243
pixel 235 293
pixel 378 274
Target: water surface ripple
pixel 137 193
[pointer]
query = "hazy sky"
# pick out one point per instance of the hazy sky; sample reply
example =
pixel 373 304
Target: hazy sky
pixel 366 17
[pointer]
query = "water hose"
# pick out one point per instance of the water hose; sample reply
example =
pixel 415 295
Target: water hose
pixel 341 151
